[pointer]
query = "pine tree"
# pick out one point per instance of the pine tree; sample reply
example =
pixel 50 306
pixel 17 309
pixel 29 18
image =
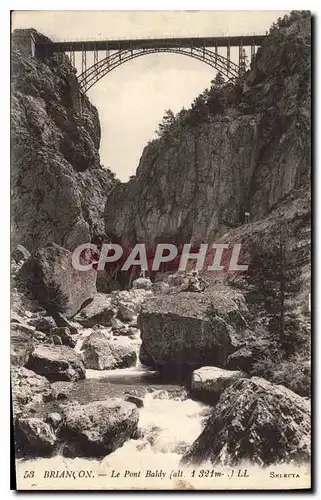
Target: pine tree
pixel 166 124
pixel 272 274
pixel 219 80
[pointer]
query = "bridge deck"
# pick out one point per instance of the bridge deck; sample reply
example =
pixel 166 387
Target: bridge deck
pixel 220 41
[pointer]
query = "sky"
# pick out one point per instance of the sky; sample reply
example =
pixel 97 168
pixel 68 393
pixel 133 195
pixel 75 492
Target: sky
pixel 131 100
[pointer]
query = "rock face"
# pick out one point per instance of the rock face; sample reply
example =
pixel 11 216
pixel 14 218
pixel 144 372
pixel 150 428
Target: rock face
pixel 100 353
pixel 99 428
pixel 57 363
pixel 197 183
pixel 257 421
pixel 58 185
pixel 208 382
pixel 98 312
pixel 55 283
pixel 188 330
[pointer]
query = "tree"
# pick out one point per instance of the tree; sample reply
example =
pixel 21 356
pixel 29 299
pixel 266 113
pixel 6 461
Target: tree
pixel 166 124
pixel 275 281
pixel 216 98
pixel 218 81
pixel 199 110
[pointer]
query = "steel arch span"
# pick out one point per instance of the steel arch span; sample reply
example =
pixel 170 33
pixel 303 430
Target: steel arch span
pixel 99 69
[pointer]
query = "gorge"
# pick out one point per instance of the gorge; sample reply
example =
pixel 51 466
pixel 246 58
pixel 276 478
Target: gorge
pixel 101 359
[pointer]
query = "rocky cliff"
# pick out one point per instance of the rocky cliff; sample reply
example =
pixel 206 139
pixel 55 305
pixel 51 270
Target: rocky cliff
pixel 59 187
pixel 197 182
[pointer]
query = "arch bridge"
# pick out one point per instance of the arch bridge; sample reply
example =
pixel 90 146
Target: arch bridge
pixel 109 54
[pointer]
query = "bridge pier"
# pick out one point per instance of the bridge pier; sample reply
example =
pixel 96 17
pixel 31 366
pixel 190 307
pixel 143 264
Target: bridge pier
pixel 228 56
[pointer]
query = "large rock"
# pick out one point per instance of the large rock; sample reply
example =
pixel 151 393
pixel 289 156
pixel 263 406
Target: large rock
pixel 64 335
pixel 247 356
pixel 57 363
pixel 20 253
pixel 43 323
pixel 61 390
pixel 32 434
pixel 28 387
pixel 142 284
pixel 129 302
pixel 255 421
pixel 21 343
pixel 160 287
pixel 187 330
pixel 101 353
pixel 99 312
pixel 98 428
pixel 55 283
pixel 208 382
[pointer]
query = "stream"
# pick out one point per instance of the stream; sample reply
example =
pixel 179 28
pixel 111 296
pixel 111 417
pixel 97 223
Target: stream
pixel 169 422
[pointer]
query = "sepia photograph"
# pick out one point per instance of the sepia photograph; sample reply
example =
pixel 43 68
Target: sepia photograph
pixel 160 329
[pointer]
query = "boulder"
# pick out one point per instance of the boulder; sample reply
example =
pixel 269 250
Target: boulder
pixel 54 419
pixel 133 333
pixel 32 434
pixel 142 284
pixel 130 302
pixel 243 359
pixel 50 276
pixel 27 387
pixel 16 318
pixel 57 363
pixel 62 321
pixel 20 253
pixel 208 382
pixel 116 324
pixel 136 400
pixel 177 280
pixel 123 331
pixel 42 338
pixel 98 428
pixel 247 356
pixel 160 287
pixel 43 323
pixel 255 421
pixel 99 312
pixel 21 343
pixel 101 353
pixel 65 335
pixel 61 390
pixel 184 331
